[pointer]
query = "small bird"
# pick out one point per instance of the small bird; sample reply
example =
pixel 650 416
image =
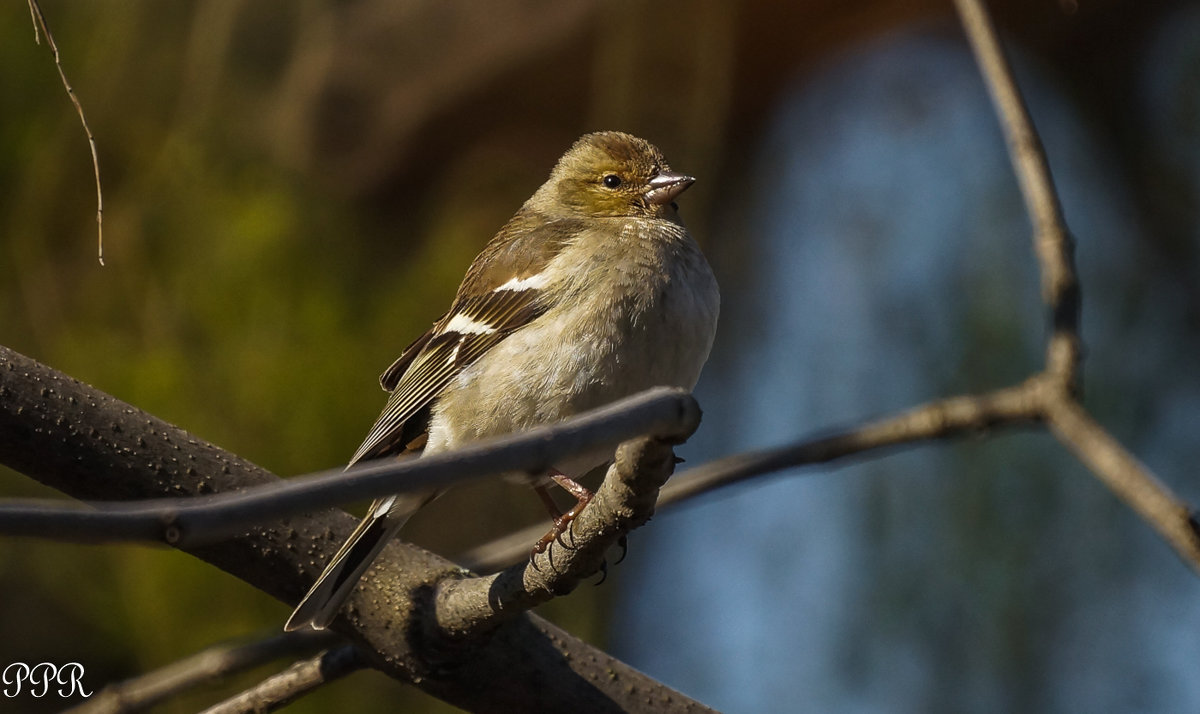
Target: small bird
pixel 593 291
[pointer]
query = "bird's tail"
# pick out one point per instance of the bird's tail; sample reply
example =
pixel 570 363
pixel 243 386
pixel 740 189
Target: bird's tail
pixel 385 517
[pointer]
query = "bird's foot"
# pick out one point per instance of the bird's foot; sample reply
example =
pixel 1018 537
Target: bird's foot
pixel 562 523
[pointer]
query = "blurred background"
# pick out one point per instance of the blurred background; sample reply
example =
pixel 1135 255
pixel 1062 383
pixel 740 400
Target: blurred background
pixel 293 190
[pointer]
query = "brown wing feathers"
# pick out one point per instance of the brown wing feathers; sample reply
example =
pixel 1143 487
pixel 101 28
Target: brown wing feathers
pixel 485 311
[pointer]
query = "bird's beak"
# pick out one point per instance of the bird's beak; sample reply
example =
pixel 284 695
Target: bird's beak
pixel 666 186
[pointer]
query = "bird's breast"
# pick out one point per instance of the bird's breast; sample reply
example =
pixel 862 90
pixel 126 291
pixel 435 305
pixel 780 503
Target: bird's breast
pixel 619 328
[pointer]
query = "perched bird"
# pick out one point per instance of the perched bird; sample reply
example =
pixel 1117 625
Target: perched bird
pixel 592 291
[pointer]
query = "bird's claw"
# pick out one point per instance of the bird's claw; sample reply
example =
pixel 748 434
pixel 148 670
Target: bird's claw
pixel 603 572
pixel 624 543
pixel 562 524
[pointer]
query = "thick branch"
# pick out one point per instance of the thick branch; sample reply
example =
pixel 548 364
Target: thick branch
pixel 207 519
pixel 90 445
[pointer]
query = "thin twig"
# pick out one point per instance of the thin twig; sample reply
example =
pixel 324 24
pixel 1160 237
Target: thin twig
pixel 292 683
pixel 39 20
pixel 1053 244
pixel 941 419
pixel 146 690
pixel 1068 420
pixel 1127 477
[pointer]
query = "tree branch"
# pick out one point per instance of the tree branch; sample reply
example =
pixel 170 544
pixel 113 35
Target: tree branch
pixel 625 500
pixel 1127 477
pixel 1055 250
pixel 292 683
pixel 39 21
pixel 1052 241
pixel 214 663
pixel 206 519
pixel 91 445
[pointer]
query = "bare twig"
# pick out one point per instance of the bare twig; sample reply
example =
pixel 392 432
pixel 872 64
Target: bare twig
pixel 39 20
pixel 662 412
pixel 212 664
pixel 292 683
pixel 1058 402
pixel 1127 477
pixel 1052 241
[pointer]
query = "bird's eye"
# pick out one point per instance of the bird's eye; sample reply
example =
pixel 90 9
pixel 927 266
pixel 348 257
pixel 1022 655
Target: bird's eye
pixel 612 181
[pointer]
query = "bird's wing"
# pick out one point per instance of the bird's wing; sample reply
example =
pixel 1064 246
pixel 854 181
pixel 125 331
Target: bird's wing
pixel 492 303
pixel 391 376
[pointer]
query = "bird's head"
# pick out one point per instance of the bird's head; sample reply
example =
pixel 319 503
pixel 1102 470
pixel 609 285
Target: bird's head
pixel 612 174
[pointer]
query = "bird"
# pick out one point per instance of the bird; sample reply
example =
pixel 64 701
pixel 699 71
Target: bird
pixel 593 291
